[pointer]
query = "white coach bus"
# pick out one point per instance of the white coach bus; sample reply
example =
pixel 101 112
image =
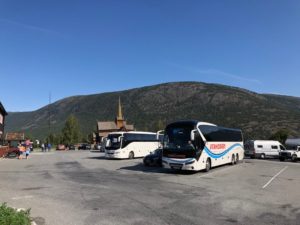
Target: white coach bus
pixel 128 145
pixel 194 145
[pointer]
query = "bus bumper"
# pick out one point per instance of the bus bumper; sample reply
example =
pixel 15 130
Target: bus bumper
pixel 175 164
pixel 113 156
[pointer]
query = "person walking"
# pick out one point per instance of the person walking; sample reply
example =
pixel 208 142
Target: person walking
pixel 43 147
pixel 49 147
pixel 21 151
pixel 27 152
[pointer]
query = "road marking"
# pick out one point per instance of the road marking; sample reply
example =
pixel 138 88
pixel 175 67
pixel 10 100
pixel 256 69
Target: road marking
pixel 276 175
pixel 22 197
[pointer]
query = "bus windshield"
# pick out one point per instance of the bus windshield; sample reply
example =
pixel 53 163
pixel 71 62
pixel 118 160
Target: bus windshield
pixel 178 137
pixel 114 141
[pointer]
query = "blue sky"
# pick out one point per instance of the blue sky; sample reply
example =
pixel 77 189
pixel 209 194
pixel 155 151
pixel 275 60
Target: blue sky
pixel 84 47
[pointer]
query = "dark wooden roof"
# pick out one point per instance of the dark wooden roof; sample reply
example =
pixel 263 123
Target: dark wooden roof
pixel 110 125
pixel 3 109
pixel 14 136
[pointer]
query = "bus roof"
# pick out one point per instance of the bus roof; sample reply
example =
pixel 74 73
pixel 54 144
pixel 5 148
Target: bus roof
pixel 132 132
pixel 191 122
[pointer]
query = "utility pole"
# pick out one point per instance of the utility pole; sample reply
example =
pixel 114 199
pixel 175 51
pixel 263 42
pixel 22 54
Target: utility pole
pixel 49 115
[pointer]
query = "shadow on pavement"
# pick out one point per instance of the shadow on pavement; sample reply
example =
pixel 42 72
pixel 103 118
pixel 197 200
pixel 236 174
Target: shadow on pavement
pixel 145 169
pixel 95 151
pixel 97 157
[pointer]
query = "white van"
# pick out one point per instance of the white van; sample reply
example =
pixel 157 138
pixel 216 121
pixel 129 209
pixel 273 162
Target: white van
pixel 263 149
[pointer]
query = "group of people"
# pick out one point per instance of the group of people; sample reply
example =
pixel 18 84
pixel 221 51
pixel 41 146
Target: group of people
pixel 24 149
pixel 46 147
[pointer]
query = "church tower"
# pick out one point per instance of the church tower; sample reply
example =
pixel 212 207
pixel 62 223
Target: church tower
pixel 120 118
pixel 120 124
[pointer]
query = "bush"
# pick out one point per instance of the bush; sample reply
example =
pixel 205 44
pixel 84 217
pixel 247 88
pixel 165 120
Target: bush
pixel 10 216
pixel 280 136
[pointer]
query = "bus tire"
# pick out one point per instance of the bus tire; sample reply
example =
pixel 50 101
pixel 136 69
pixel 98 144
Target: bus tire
pixel 131 155
pixel 294 158
pixel 263 156
pixel 232 159
pixel 237 159
pixel 207 165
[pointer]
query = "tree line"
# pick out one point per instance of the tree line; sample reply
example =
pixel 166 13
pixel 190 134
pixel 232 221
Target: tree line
pixel 70 134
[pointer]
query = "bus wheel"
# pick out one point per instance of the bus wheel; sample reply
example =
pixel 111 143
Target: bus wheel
pixel 131 155
pixel 263 156
pixel 207 165
pixel 232 160
pixel 294 158
pixel 237 159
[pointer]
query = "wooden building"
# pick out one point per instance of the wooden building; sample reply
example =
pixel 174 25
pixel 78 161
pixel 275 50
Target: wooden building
pixel 106 127
pixel 3 114
pixel 15 136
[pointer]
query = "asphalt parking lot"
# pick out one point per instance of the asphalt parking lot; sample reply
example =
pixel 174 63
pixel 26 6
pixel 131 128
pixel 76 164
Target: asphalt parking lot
pixel 83 188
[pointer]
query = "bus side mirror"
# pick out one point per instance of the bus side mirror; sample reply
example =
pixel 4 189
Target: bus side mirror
pixel 159 133
pixel 193 132
pixel 108 143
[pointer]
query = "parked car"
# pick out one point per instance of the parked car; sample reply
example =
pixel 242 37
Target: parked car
pixel 102 145
pixel 84 146
pixel 60 147
pixel 97 147
pixel 13 152
pixel 292 154
pixel 71 147
pixel 154 158
pixel 263 149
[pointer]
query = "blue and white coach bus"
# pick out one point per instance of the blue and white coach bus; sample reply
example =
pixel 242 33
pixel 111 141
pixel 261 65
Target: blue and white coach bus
pixel 128 145
pixel 194 145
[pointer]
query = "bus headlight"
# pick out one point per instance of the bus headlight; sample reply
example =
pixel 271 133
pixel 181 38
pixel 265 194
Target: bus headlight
pixel 191 162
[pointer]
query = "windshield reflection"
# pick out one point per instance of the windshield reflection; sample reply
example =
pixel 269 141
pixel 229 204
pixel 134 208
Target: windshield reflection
pixel 178 137
pixel 114 141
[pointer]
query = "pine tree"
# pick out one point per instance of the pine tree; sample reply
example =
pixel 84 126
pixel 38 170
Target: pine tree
pixel 70 132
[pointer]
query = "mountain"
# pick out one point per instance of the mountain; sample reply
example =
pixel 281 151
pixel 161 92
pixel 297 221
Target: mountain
pixel 151 107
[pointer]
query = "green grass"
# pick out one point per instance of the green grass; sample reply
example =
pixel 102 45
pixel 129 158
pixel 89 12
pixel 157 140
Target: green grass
pixel 10 216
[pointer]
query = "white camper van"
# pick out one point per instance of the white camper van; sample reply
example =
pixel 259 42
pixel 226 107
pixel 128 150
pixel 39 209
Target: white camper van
pixel 263 149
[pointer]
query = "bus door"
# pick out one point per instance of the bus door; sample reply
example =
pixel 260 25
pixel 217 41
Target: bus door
pixel 197 142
